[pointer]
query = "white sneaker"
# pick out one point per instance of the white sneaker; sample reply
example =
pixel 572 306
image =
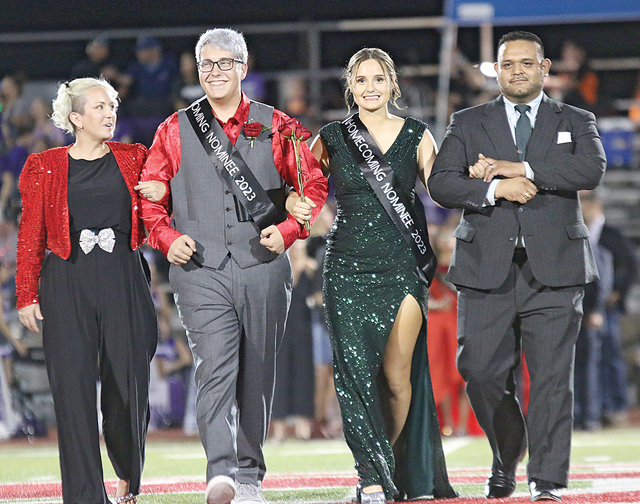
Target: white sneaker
pixel 220 490
pixel 249 494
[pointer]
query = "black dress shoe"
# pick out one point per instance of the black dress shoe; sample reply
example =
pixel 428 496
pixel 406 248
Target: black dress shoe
pixel 542 490
pixel 501 483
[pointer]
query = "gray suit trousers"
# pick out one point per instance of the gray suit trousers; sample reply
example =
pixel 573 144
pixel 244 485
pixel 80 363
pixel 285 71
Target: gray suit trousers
pixel 235 319
pixel 493 326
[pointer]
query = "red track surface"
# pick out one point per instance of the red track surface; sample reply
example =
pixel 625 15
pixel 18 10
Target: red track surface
pixel 290 482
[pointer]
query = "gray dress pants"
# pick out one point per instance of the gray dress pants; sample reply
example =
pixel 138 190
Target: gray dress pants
pixel 235 320
pixel 493 327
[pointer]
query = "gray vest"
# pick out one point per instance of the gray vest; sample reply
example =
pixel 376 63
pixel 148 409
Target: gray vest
pixel 203 206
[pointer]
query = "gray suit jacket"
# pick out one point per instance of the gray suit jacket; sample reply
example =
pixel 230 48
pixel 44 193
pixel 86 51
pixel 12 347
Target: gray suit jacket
pixel 566 155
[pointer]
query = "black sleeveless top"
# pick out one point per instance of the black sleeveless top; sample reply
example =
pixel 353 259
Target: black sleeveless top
pixel 98 196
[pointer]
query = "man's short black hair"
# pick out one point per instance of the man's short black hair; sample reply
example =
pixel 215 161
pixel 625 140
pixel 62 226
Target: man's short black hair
pixel 523 35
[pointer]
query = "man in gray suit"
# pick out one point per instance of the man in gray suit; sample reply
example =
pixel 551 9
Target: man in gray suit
pixel 228 164
pixel 521 260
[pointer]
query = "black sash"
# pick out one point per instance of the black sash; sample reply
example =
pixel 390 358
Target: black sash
pixel 230 165
pixel 409 219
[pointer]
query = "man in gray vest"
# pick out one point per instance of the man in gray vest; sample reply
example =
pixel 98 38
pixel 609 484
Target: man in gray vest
pixel 229 164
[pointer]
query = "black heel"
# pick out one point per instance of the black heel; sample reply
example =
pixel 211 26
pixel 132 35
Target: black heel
pixel 358 499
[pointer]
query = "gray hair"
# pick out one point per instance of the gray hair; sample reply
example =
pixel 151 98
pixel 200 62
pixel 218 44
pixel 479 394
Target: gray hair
pixel 72 97
pixel 225 39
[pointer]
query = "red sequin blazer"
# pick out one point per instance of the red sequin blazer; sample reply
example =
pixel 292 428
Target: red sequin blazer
pixel 45 211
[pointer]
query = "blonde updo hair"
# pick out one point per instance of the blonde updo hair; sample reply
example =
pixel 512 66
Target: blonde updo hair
pixel 72 97
pixel 388 67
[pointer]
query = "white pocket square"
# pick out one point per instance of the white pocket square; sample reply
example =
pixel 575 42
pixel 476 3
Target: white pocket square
pixel 564 136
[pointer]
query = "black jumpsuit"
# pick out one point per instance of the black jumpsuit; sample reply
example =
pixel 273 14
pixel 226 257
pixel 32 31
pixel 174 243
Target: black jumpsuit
pixel 99 324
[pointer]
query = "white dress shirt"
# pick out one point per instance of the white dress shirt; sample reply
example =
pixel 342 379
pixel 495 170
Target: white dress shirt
pixel 512 117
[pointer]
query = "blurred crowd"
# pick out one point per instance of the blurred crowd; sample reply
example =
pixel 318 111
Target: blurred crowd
pixel 156 83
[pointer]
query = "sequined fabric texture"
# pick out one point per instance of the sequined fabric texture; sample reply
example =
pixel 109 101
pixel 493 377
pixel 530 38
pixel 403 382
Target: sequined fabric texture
pixel 369 269
pixel 45 211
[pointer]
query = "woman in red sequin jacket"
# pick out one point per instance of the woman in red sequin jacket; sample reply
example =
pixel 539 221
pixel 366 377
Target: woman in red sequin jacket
pixel 90 292
pixel 45 212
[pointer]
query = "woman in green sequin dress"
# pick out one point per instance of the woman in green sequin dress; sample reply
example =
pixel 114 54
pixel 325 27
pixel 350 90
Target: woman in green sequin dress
pixel 376 307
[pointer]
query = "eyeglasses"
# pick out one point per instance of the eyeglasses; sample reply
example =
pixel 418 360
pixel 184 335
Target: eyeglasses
pixel 224 64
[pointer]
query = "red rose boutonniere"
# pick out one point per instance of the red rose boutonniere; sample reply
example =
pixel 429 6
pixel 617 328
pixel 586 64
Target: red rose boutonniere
pixel 297 133
pixel 253 130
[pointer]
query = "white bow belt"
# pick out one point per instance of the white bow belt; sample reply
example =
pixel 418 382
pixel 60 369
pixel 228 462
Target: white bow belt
pixel 105 239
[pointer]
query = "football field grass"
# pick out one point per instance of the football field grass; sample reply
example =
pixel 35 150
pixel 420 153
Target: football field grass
pixel 605 468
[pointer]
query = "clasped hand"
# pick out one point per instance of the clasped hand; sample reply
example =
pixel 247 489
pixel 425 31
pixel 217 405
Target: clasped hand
pixel 489 168
pixel 153 190
pixel 299 208
pixel 514 186
pixel 271 238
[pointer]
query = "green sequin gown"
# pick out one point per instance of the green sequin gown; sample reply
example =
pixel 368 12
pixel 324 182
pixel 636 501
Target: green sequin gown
pixel 368 271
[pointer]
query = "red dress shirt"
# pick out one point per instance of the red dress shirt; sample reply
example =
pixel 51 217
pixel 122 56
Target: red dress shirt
pixel 45 211
pixel 164 161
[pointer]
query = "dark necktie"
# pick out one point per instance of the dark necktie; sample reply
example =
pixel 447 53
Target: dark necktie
pixel 523 130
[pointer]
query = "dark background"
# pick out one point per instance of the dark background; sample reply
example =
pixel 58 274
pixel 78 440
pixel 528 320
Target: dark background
pixel 49 59
pixel 104 14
